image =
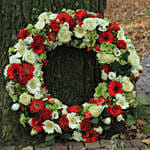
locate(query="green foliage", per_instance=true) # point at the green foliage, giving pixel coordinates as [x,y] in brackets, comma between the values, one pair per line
[130,120]
[49,140]
[94,121]
[142,99]
[146,130]
[66,136]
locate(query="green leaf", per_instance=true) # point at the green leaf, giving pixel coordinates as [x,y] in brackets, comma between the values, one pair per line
[94,121]
[130,120]
[66,136]
[146,130]
[107,127]
[49,137]
[142,99]
[49,143]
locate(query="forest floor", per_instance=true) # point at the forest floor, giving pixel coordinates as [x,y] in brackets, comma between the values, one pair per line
[134,17]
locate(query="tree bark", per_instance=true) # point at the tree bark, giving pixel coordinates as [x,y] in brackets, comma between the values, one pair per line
[72,74]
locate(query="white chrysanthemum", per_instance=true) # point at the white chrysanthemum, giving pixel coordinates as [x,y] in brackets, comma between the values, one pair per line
[64,35]
[89,24]
[53,16]
[34,85]
[77,136]
[30,57]
[55,115]
[134,59]
[28,40]
[112,75]
[120,35]
[20,48]
[37,70]
[127,84]
[64,111]
[25,99]
[38,95]
[15,106]
[99,130]
[123,103]
[120,118]
[73,120]
[40,25]
[14,60]
[107,120]
[102,24]
[104,75]
[79,32]
[10,85]
[44,17]
[117,52]
[49,127]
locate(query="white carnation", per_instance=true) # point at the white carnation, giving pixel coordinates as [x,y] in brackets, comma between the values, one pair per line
[25,99]
[90,24]
[30,57]
[77,136]
[40,25]
[79,32]
[112,75]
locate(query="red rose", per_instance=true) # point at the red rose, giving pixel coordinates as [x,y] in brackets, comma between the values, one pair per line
[14,70]
[45,114]
[54,26]
[106,37]
[85,125]
[28,68]
[121,44]
[23,34]
[106,68]
[63,17]
[87,114]
[113,27]
[74,108]
[114,87]
[36,105]
[91,136]
[24,78]
[115,110]
[80,14]
[52,36]
[37,48]
[38,38]
[63,122]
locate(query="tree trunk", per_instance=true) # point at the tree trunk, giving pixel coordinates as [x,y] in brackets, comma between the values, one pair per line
[71,74]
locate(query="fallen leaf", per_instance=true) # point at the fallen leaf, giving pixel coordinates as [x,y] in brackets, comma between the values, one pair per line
[146,141]
[28,148]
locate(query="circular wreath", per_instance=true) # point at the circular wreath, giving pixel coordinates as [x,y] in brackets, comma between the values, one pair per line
[112,98]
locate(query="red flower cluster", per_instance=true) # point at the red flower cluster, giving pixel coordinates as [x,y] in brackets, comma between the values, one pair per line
[85,125]
[99,101]
[106,37]
[115,110]
[38,126]
[20,73]
[114,87]
[87,114]
[45,114]
[63,122]
[80,14]
[121,44]
[74,108]
[96,47]
[54,26]
[106,68]
[91,136]
[63,17]
[113,27]
[36,105]
[23,34]
[38,43]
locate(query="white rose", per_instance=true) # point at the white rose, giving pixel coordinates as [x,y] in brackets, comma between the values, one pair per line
[53,16]
[44,16]
[112,75]
[40,25]
[133,59]
[127,85]
[121,35]
[135,72]
[105,58]
[123,103]
[79,32]
[104,75]
[14,60]
[102,24]
[99,130]
[25,99]
[30,57]
[15,106]
[89,24]
[64,35]
[107,120]
[28,40]
[77,136]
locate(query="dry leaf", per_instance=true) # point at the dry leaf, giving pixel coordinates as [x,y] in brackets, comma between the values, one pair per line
[28,148]
[122,136]
[140,123]
[146,141]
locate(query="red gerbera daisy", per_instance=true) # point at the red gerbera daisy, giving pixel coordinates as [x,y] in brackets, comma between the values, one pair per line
[74,108]
[45,114]
[63,17]
[63,122]
[28,68]
[24,78]
[38,38]
[36,105]
[14,70]
[106,37]
[121,44]
[115,87]
[23,34]
[113,27]
[72,22]
[52,36]
[54,26]
[38,48]
[80,14]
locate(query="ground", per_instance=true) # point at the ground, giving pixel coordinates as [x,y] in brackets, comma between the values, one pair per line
[134,17]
